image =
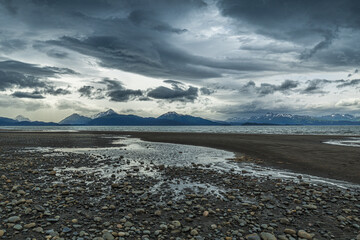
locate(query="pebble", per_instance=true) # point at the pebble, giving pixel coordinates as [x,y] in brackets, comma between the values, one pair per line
[253,236]
[2,233]
[176,224]
[128,224]
[108,236]
[18,227]
[304,234]
[267,236]
[310,206]
[290,231]
[13,219]
[30,225]
[194,232]
[66,230]
[283,237]
[38,229]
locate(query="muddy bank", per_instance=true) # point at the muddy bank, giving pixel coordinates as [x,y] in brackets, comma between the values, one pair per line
[303,154]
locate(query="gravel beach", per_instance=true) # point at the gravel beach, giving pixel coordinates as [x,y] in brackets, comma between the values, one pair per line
[50,194]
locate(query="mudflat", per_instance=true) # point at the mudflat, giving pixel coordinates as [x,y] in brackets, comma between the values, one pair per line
[300,153]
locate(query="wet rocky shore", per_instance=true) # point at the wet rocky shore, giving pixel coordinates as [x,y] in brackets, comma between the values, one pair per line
[54,195]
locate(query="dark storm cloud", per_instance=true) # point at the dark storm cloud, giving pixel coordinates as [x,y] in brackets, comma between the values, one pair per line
[57,54]
[315,86]
[304,22]
[105,8]
[33,69]
[132,43]
[86,91]
[9,80]
[33,95]
[349,83]
[8,4]
[117,53]
[14,74]
[206,91]
[161,60]
[328,38]
[181,40]
[12,45]
[173,82]
[118,93]
[267,88]
[146,18]
[174,94]
[294,19]
[177,92]
[51,90]
[131,36]
[123,95]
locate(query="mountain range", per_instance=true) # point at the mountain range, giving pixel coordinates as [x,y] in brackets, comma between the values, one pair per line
[111,118]
[289,119]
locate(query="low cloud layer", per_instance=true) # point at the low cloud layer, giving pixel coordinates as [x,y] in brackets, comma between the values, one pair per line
[266,88]
[118,93]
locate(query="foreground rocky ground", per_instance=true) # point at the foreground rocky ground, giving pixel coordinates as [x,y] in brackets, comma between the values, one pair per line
[40,199]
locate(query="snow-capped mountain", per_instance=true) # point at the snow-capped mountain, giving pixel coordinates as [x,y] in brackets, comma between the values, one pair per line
[21,118]
[109,118]
[170,115]
[339,117]
[75,119]
[103,114]
[281,118]
[290,119]
[186,119]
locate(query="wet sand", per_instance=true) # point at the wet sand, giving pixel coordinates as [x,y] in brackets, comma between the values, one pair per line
[299,153]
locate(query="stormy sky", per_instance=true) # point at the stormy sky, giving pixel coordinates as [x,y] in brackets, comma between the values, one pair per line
[212,58]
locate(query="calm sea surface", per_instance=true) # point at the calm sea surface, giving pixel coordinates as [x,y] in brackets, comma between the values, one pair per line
[292,130]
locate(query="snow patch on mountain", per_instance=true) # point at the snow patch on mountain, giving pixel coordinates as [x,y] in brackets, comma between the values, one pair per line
[103,114]
[21,118]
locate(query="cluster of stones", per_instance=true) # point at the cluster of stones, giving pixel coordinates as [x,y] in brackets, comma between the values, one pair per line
[38,202]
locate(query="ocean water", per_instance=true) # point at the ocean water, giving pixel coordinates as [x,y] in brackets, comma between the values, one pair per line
[352,131]
[290,130]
